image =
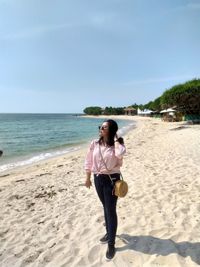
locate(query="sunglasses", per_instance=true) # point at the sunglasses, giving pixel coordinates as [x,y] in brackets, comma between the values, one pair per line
[103,127]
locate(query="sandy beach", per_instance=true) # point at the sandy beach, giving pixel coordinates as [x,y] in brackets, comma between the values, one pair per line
[49,218]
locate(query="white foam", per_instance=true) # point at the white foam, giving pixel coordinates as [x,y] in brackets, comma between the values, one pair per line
[122,131]
[35,159]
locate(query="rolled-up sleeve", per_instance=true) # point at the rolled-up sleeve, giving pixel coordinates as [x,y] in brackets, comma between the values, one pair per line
[89,158]
[120,151]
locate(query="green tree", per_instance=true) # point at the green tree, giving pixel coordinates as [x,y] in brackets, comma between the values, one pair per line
[155,105]
[93,110]
[186,97]
[114,111]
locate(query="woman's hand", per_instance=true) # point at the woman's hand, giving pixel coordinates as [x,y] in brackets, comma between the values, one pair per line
[88,183]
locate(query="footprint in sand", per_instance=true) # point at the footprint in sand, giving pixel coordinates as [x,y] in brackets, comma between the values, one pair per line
[32,256]
[20,250]
[93,253]
[20,180]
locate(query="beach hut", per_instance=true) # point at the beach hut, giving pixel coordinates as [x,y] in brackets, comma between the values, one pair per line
[130,111]
[168,114]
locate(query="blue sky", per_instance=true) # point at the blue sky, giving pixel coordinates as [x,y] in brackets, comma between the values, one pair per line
[65,55]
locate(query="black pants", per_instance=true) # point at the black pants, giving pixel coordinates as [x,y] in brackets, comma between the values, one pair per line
[104,189]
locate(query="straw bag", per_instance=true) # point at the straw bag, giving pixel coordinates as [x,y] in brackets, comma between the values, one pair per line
[120,186]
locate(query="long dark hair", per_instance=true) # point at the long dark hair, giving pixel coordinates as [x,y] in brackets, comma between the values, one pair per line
[112,130]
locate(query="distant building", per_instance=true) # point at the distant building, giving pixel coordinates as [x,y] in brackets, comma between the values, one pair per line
[145,112]
[103,111]
[130,111]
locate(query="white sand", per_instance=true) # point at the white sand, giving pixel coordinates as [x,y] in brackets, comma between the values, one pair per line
[48,218]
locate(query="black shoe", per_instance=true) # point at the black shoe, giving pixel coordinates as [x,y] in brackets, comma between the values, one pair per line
[104,239]
[110,253]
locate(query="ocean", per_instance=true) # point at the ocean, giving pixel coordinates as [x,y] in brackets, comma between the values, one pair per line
[29,138]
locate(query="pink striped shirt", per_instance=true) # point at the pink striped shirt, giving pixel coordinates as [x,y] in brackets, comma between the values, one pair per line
[112,157]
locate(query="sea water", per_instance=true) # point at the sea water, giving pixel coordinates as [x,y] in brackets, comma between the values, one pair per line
[29,138]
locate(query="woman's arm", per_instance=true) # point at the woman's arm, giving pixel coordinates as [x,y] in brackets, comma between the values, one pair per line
[89,158]
[88,165]
[120,148]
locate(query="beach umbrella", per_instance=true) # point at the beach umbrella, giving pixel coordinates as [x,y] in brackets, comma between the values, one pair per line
[171,110]
[163,111]
[167,110]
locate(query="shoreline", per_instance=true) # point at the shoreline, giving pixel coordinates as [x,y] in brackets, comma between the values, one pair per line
[44,208]
[21,162]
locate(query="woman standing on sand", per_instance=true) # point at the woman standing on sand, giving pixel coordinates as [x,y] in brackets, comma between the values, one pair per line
[104,159]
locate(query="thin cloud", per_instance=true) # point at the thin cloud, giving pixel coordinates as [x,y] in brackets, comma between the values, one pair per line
[159,80]
[33,32]
[100,20]
[97,21]
[190,5]
[194,5]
